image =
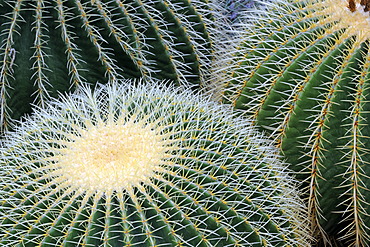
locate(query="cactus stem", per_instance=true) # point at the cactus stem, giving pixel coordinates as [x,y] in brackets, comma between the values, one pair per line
[140,166]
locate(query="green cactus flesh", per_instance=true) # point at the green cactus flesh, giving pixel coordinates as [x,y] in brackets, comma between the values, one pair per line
[144,166]
[48,46]
[301,73]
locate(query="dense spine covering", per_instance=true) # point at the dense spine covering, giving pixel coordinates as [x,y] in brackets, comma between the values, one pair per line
[144,166]
[48,46]
[302,74]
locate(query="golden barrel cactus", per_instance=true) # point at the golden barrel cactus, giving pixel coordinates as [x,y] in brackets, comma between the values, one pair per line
[144,166]
[300,71]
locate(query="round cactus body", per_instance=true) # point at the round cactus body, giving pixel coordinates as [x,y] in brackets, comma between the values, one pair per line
[145,166]
[302,74]
[55,45]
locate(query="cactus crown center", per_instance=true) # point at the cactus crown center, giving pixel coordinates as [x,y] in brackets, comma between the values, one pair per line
[350,18]
[365,3]
[111,157]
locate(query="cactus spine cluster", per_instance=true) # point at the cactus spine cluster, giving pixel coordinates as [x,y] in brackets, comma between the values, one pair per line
[48,46]
[144,166]
[301,73]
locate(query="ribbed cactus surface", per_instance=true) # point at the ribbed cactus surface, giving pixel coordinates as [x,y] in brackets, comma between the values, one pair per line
[302,74]
[55,45]
[145,166]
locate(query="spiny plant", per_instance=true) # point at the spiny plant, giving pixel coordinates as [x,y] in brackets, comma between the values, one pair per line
[48,46]
[301,73]
[144,166]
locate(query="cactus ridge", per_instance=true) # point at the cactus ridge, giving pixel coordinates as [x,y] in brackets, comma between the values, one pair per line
[48,46]
[300,73]
[212,179]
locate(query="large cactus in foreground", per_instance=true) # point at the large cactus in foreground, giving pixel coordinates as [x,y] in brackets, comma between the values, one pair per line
[302,74]
[55,45]
[144,166]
